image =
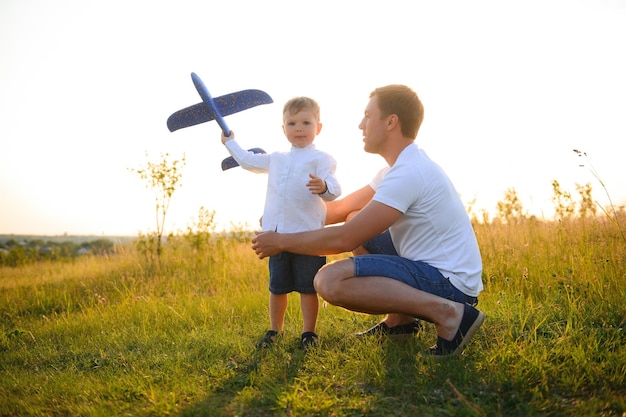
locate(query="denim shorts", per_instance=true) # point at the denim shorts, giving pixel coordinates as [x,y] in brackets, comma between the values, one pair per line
[293,272]
[381,244]
[385,262]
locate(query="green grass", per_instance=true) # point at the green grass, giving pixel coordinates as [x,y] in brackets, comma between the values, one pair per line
[116,336]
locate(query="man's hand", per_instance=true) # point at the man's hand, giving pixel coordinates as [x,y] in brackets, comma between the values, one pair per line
[316,185]
[266,244]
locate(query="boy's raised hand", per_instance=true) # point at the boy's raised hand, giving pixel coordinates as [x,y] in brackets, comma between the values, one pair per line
[227,138]
[316,185]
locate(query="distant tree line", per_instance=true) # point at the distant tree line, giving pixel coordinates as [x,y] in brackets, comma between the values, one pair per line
[18,252]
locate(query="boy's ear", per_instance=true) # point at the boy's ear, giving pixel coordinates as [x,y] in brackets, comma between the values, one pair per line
[319,128]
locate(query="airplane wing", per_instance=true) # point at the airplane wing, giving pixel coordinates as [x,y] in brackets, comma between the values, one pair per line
[226,104]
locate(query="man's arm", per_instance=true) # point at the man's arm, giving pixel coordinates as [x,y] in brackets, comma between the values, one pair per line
[371,221]
[341,210]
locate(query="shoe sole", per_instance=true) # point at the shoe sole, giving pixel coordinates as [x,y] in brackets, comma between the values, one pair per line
[380,334]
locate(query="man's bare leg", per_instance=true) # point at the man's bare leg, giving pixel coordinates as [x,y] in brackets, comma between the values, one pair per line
[391,320]
[379,295]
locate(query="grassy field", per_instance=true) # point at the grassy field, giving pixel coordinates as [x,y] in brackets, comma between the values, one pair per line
[120,336]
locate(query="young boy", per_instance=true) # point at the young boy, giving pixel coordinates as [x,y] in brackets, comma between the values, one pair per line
[299,181]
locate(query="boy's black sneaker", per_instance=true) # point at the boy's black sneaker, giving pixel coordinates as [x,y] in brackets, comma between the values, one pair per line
[268,339]
[308,340]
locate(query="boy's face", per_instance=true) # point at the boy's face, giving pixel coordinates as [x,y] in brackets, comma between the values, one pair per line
[301,128]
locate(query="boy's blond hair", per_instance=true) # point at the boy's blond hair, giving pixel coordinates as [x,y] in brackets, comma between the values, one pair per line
[297,104]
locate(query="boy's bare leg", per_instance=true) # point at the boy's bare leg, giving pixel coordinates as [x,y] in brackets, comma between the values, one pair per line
[278,307]
[309,303]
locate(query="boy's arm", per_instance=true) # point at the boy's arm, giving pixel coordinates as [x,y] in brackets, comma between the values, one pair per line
[327,185]
[250,161]
[327,189]
[332,189]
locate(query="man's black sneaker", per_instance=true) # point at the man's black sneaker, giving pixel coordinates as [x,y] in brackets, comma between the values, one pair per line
[470,323]
[403,330]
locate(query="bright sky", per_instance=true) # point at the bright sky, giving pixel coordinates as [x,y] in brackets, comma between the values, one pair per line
[509,88]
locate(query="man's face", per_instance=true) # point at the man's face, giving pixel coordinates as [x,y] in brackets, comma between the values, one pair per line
[373,127]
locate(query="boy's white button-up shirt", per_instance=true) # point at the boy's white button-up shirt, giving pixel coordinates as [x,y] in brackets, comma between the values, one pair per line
[289,205]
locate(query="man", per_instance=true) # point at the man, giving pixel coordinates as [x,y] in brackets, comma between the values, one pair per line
[437,275]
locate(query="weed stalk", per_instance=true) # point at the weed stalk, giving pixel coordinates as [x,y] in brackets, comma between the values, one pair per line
[614,218]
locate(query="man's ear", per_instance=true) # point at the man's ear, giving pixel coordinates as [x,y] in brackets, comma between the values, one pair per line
[392,121]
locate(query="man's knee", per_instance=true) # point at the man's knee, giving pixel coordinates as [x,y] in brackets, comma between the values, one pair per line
[321,282]
[329,279]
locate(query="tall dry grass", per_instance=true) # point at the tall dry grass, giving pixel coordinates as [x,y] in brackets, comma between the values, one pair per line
[126,336]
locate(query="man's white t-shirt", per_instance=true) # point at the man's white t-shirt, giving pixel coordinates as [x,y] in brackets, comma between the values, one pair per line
[434,227]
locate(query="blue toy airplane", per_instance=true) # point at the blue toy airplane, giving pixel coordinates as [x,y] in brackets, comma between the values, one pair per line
[215,109]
